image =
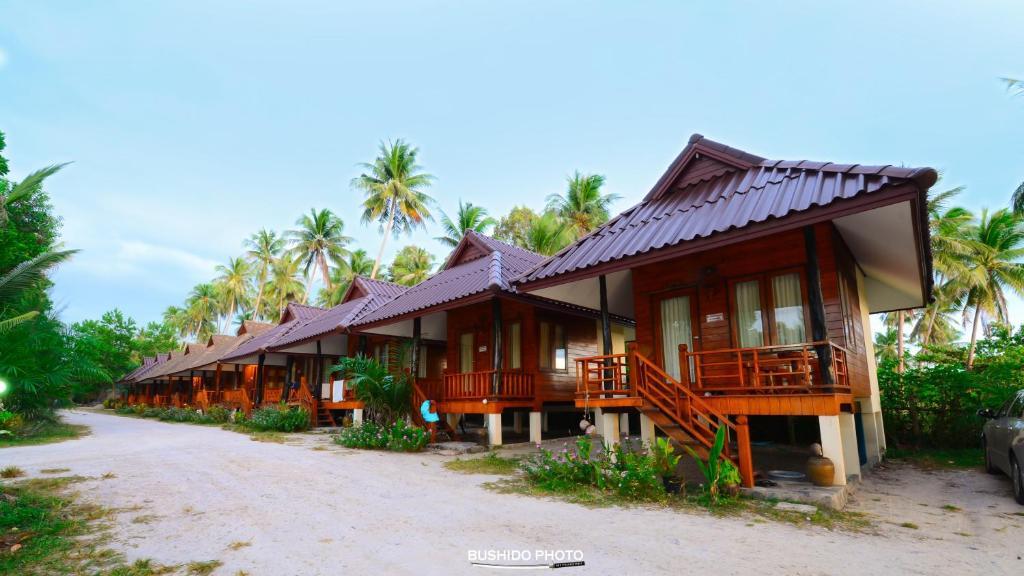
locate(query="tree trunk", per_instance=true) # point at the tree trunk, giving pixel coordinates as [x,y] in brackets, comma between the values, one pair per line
[931,326]
[259,294]
[899,341]
[327,274]
[974,337]
[383,243]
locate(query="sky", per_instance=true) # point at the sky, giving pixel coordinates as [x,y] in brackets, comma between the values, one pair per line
[191,125]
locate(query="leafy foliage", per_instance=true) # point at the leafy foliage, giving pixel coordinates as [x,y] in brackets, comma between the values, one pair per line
[584,206]
[412,265]
[399,436]
[277,419]
[386,397]
[469,217]
[631,475]
[718,472]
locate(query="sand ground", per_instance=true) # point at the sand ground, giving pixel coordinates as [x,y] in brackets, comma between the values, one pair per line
[310,507]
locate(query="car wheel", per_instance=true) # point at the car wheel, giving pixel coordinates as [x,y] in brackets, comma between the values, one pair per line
[1018,481]
[988,460]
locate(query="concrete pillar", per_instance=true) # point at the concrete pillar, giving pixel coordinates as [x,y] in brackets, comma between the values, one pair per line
[873,444]
[832,446]
[517,422]
[610,428]
[646,429]
[493,429]
[535,427]
[357,417]
[544,421]
[624,423]
[453,420]
[848,429]
[598,417]
[880,429]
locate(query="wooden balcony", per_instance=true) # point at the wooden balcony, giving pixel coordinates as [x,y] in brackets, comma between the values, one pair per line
[768,380]
[514,385]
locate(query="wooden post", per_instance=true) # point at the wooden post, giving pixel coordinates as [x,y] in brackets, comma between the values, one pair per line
[496,330]
[317,389]
[633,369]
[361,346]
[743,452]
[816,301]
[258,400]
[684,366]
[606,330]
[289,367]
[417,330]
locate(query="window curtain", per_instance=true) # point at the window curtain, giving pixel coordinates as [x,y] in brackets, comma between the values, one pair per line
[421,369]
[515,347]
[789,309]
[545,345]
[675,330]
[748,314]
[466,353]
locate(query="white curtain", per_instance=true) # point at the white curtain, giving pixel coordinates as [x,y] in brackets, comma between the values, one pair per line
[748,314]
[515,347]
[675,330]
[466,353]
[545,345]
[789,309]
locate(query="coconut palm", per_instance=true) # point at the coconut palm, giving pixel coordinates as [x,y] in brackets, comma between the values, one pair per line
[285,284]
[411,266]
[342,275]
[583,207]
[27,187]
[177,318]
[202,309]
[394,186]
[896,322]
[992,268]
[320,240]
[262,248]
[885,345]
[23,277]
[935,325]
[234,284]
[469,217]
[548,233]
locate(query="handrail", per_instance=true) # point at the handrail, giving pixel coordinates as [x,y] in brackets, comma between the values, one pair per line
[478,385]
[788,369]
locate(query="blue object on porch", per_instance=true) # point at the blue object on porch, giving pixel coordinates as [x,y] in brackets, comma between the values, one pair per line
[428,416]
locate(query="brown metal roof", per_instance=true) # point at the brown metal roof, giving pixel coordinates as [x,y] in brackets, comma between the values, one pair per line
[478,264]
[712,189]
[295,315]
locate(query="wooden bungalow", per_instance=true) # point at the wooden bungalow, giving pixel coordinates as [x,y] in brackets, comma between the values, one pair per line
[751,282]
[168,385]
[476,345]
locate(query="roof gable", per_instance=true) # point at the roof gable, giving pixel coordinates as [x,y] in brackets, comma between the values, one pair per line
[701,159]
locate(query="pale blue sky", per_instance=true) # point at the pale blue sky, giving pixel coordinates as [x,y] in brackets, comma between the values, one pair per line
[193,124]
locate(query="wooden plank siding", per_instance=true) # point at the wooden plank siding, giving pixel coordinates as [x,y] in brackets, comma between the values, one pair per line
[708,276]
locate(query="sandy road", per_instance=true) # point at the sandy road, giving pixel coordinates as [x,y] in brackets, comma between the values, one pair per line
[194,491]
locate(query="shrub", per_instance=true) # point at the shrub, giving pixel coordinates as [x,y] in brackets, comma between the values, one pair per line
[10,423]
[719,473]
[631,475]
[387,398]
[219,414]
[140,409]
[278,419]
[397,437]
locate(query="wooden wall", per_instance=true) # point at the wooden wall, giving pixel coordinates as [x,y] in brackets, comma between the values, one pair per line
[709,273]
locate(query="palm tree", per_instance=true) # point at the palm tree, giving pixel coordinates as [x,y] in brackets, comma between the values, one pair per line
[992,267]
[885,345]
[548,233]
[234,284]
[27,187]
[285,284]
[319,240]
[513,227]
[177,319]
[895,322]
[934,325]
[411,266]
[469,217]
[202,308]
[583,207]
[263,248]
[394,187]
[21,278]
[342,276]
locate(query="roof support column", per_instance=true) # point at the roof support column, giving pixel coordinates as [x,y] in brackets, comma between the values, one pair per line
[819,329]
[317,388]
[289,377]
[259,380]
[606,328]
[417,332]
[496,332]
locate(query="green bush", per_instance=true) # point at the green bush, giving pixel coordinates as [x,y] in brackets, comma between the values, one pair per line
[140,409]
[386,397]
[630,475]
[398,437]
[219,414]
[278,419]
[154,412]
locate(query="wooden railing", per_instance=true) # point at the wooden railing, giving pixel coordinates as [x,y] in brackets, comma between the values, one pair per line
[514,384]
[790,369]
[161,400]
[237,399]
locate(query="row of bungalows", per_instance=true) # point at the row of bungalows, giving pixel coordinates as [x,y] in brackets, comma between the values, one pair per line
[736,295]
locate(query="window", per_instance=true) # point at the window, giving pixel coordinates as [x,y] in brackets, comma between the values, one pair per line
[770,310]
[466,352]
[554,352]
[421,368]
[515,346]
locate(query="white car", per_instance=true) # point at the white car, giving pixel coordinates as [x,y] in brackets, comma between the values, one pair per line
[1002,439]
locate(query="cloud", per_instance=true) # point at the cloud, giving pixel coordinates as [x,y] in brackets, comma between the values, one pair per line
[3,58]
[134,259]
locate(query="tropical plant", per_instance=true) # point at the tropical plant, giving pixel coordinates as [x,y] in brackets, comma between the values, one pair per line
[885,345]
[583,206]
[547,234]
[665,459]
[285,285]
[22,278]
[262,249]
[202,309]
[320,240]
[513,228]
[627,474]
[469,217]
[278,419]
[234,285]
[386,397]
[394,186]
[342,276]
[29,186]
[397,437]
[718,472]
[411,266]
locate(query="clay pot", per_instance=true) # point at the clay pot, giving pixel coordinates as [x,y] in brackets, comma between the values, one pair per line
[821,470]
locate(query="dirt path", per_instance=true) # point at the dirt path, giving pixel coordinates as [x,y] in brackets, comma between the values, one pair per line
[194,491]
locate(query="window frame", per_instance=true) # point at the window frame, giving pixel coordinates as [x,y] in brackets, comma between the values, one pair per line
[506,353]
[768,327]
[551,353]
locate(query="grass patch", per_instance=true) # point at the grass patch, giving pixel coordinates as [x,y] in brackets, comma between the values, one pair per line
[940,459]
[144,519]
[266,436]
[950,508]
[43,432]
[489,464]
[909,525]
[239,545]
[54,470]
[12,472]
[108,476]
[203,568]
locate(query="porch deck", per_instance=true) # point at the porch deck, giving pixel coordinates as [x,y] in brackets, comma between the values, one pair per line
[474,392]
